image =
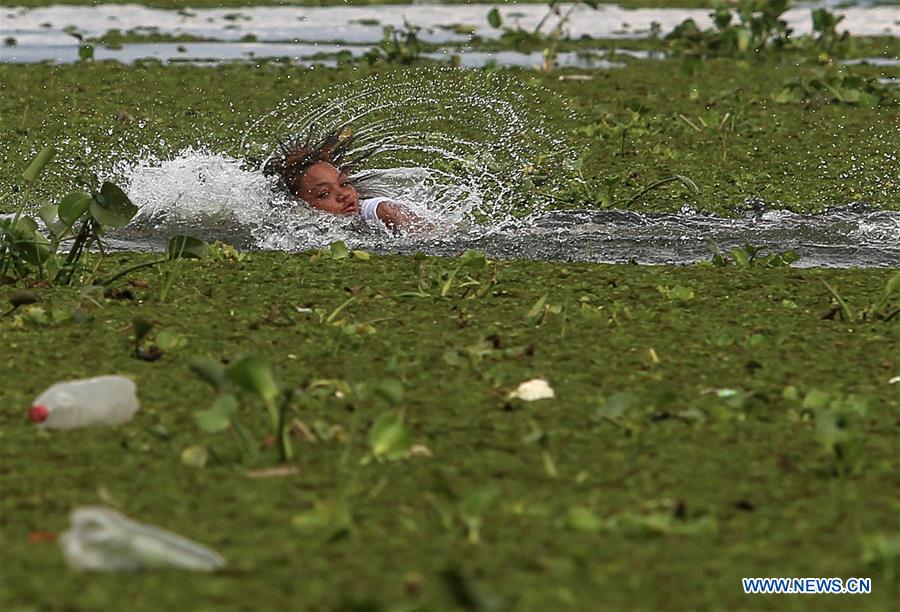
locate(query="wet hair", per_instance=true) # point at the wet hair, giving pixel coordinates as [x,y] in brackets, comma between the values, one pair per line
[297,156]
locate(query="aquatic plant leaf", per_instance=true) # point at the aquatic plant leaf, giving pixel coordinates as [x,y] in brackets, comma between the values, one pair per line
[47,214]
[86,52]
[616,405]
[338,250]
[73,206]
[580,518]
[111,207]
[195,456]
[494,19]
[253,374]
[38,164]
[186,247]
[535,314]
[169,341]
[473,260]
[220,414]
[210,370]
[391,390]
[658,523]
[882,552]
[389,437]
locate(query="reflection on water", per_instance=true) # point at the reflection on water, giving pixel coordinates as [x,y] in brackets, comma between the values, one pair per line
[363,25]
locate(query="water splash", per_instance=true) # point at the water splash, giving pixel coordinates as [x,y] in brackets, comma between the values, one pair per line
[459,148]
[477,137]
[217,198]
[481,189]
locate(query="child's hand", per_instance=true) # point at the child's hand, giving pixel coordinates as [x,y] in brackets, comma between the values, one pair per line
[397,217]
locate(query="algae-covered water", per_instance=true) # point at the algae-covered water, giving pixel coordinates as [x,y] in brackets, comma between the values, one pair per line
[728,416]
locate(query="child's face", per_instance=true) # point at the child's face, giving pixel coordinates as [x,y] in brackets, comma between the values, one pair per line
[325,187]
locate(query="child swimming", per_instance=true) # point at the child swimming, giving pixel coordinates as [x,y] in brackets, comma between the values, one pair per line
[318,174]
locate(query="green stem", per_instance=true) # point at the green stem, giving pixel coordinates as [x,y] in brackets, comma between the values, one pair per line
[650,188]
[131,269]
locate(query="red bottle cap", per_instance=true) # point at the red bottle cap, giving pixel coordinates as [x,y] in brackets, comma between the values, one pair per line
[38,413]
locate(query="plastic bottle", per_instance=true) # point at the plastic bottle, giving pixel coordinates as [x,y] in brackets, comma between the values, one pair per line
[90,402]
[104,540]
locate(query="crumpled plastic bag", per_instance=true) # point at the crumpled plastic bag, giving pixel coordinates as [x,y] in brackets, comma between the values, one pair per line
[101,539]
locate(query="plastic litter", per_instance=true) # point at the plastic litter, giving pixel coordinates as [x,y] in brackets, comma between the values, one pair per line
[101,539]
[533,390]
[89,402]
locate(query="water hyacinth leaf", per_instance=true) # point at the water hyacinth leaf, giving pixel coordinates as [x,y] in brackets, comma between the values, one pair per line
[390,390]
[658,524]
[73,206]
[186,247]
[33,247]
[220,414]
[494,19]
[616,405]
[253,374]
[338,250]
[389,437]
[111,207]
[212,371]
[26,225]
[47,214]
[536,313]
[582,519]
[169,341]
[38,163]
[473,260]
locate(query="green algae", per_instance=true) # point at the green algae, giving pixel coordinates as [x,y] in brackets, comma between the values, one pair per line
[745,486]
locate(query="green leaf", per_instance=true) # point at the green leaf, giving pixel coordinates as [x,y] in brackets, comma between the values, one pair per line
[494,18]
[38,164]
[253,374]
[86,52]
[48,214]
[211,371]
[73,206]
[616,405]
[195,456]
[390,390]
[536,313]
[169,341]
[582,519]
[220,414]
[338,250]
[389,437]
[186,247]
[473,260]
[111,207]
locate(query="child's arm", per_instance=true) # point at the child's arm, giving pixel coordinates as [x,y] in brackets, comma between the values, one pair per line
[396,216]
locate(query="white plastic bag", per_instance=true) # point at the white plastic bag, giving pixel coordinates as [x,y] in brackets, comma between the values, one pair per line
[104,540]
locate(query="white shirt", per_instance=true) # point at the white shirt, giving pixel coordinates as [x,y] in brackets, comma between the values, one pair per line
[368,209]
